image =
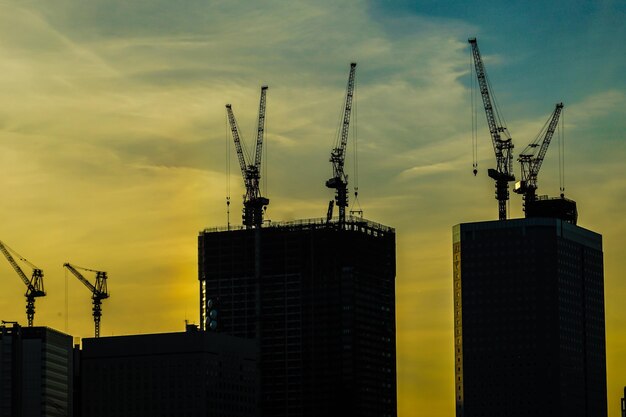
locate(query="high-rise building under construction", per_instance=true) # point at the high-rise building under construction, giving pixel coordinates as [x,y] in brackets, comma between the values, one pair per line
[529,319]
[319,297]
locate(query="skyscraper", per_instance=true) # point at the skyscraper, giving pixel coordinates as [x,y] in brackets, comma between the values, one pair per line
[36,372]
[320,301]
[529,319]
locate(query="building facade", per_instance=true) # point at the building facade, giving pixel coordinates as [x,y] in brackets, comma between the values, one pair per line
[187,374]
[36,372]
[319,299]
[529,319]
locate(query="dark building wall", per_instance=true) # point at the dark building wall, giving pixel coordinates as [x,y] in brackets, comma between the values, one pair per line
[326,302]
[529,319]
[35,372]
[10,373]
[189,374]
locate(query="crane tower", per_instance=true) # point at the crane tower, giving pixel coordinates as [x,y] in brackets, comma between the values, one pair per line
[542,206]
[34,285]
[99,291]
[339,180]
[500,137]
[530,163]
[254,204]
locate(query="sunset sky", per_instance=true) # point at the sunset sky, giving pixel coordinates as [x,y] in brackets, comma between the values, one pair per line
[113,145]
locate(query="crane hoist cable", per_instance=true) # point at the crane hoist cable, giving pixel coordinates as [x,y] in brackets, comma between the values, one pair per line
[254,203]
[356,207]
[474,114]
[500,137]
[34,285]
[227,143]
[561,139]
[99,291]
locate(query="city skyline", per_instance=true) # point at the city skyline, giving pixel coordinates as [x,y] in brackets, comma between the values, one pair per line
[114,135]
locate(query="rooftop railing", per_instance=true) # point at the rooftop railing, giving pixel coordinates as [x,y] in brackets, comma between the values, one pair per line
[351,223]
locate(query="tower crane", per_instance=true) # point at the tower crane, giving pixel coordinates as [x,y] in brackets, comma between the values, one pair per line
[98,291]
[530,163]
[500,137]
[34,285]
[339,181]
[254,204]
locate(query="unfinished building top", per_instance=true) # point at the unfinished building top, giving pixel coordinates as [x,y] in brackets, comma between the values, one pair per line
[352,223]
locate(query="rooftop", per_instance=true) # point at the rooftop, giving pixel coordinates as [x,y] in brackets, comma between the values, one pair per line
[352,223]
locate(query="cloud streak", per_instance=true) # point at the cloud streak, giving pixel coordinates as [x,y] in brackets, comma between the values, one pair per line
[113,150]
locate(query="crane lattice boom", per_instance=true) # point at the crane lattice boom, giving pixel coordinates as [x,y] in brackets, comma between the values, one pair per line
[34,285]
[500,138]
[339,181]
[260,129]
[253,202]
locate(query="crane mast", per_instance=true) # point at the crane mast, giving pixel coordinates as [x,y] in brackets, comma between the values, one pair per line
[501,140]
[253,203]
[339,181]
[34,285]
[99,291]
[530,163]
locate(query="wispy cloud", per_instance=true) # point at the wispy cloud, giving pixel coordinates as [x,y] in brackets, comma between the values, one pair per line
[113,146]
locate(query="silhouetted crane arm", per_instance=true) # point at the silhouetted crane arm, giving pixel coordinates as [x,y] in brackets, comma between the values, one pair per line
[35,283]
[530,163]
[81,277]
[554,120]
[260,129]
[14,264]
[494,122]
[237,139]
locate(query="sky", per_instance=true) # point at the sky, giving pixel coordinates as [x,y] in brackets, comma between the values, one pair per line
[114,147]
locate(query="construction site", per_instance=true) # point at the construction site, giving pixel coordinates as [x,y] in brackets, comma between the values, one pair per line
[298,318]
[311,302]
[317,295]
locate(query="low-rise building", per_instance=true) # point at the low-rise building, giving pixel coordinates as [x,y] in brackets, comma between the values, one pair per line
[36,372]
[192,373]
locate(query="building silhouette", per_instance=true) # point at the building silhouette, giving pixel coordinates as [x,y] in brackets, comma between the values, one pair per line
[190,374]
[319,299]
[529,319]
[36,372]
